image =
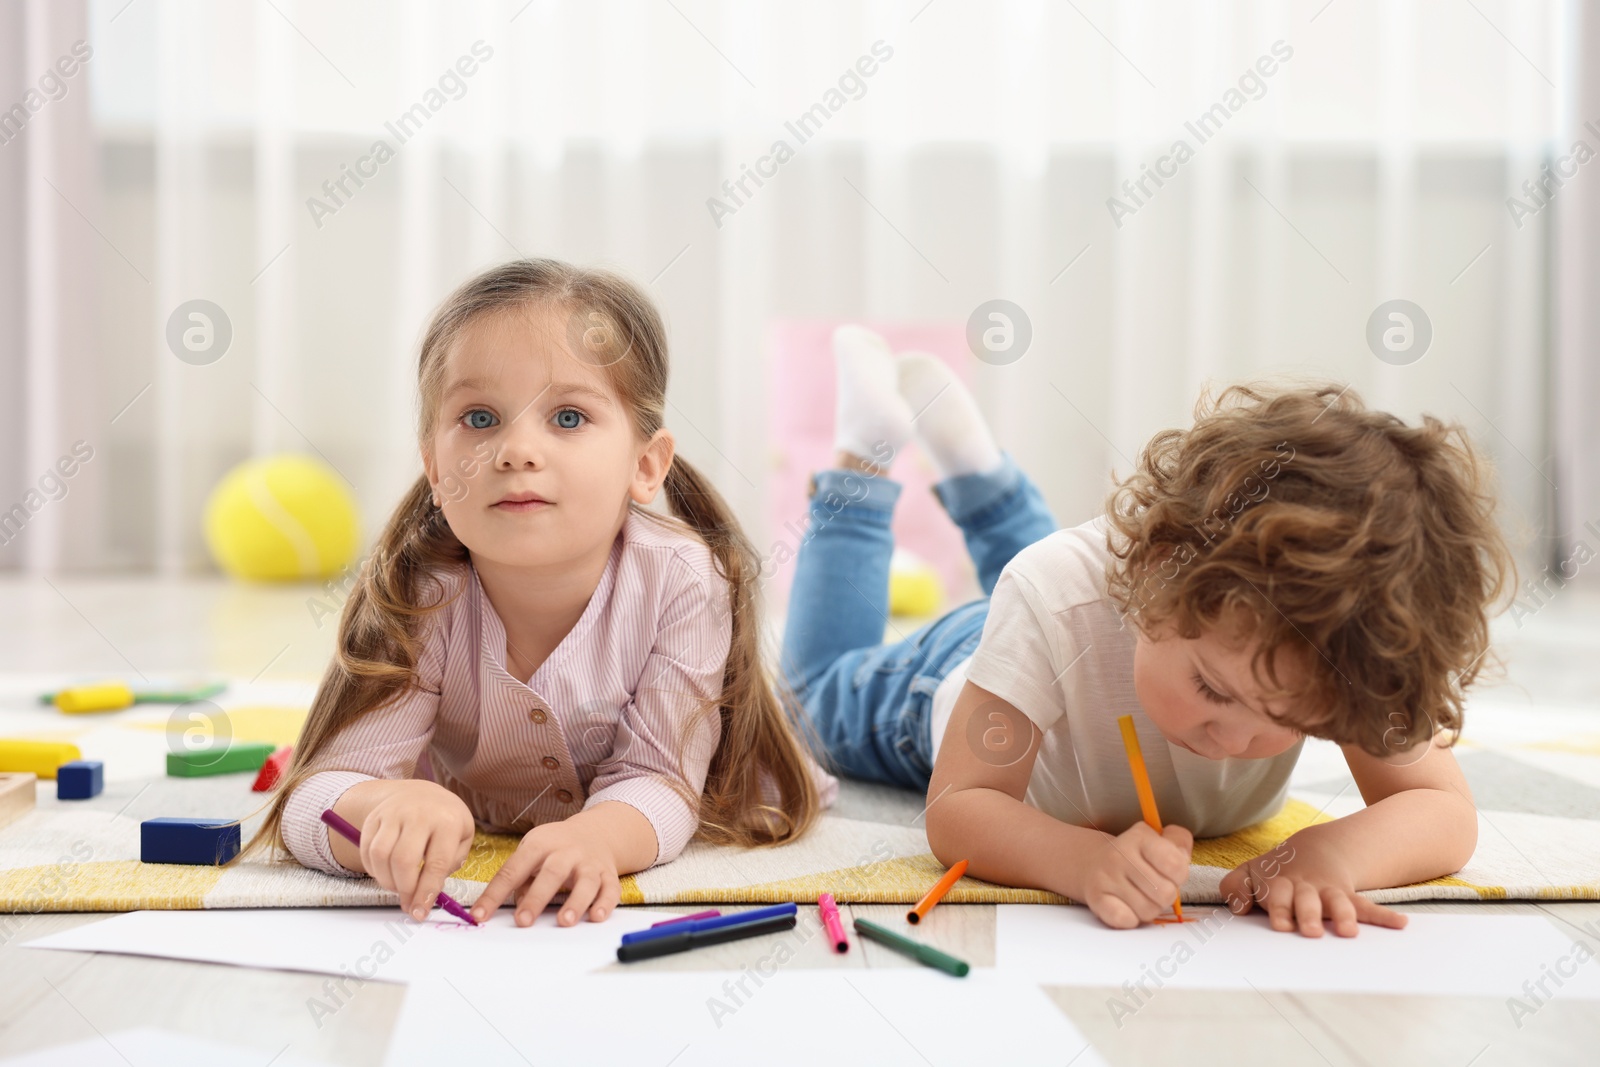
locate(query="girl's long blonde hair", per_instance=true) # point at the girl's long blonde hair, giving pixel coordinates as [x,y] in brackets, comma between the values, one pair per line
[380,629]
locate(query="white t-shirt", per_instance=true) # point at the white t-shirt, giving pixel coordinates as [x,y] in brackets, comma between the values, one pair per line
[1055,647]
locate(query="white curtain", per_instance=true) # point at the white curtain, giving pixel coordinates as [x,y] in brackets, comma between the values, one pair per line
[978,159]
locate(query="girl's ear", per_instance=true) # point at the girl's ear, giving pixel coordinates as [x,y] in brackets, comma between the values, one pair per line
[431,469]
[654,461]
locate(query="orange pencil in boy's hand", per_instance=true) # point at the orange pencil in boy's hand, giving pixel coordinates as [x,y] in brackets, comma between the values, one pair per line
[1141,785]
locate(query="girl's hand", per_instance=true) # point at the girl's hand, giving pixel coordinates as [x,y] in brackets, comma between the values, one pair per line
[551,858]
[1135,876]
[413,838]
[1298,885]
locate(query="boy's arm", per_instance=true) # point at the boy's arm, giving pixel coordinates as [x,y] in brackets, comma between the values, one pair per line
[1419,823]
[976,812]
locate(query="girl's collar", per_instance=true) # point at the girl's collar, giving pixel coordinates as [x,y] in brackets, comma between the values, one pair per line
[493,636]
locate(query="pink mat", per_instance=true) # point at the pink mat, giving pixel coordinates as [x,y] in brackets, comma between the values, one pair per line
[801,435]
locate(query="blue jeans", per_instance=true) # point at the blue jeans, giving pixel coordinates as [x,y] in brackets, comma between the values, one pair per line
[869,702]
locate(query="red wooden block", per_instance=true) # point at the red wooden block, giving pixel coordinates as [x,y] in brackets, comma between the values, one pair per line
[273,769]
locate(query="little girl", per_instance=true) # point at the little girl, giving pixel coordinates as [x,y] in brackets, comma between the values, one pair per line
[529,648]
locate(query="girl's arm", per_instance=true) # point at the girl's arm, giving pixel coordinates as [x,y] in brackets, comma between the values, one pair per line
[378,752]
[976,812]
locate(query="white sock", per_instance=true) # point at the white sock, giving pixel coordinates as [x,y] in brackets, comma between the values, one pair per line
[947,419]
[870,417]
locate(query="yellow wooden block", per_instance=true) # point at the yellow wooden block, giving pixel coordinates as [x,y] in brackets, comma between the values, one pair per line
[39,757]
[105,696]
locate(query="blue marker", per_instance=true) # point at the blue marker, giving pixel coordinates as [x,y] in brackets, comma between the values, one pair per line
[702,925]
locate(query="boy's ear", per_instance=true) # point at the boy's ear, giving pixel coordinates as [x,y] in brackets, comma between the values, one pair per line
[654,461]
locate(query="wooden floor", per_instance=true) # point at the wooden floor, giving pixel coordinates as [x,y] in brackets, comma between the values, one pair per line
[49,998]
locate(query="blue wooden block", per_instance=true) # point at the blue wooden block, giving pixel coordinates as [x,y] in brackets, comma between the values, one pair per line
[80,779]
[207,842]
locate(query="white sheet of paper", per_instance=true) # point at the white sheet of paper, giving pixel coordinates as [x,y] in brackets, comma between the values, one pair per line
[911,1017]
[1470,955]
[150,1046]
[371,943]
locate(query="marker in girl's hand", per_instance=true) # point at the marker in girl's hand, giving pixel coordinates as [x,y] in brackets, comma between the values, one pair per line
[341,825]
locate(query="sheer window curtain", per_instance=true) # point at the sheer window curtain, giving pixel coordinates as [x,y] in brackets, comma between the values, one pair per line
[977,160]
[50,367]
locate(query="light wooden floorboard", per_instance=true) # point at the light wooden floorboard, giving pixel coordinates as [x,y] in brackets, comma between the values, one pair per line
[48,998]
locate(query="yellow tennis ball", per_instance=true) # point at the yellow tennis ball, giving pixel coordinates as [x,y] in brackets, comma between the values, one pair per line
[281,518]
[914,588]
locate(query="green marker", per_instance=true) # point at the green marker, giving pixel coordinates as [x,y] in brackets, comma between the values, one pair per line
[923,953]
[229,759]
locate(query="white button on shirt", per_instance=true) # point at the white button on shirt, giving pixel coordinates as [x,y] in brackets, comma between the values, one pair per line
[614,713]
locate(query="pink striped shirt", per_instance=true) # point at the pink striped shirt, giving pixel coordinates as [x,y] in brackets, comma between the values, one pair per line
[612,714]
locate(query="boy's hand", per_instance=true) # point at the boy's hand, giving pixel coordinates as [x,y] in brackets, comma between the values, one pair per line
[1135,876]
[551,858]
[1298,886]
[413,838]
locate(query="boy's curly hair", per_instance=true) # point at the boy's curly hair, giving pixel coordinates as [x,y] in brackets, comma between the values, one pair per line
[1305,520]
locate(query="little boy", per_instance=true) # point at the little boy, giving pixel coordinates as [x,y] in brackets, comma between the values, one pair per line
[1292,565]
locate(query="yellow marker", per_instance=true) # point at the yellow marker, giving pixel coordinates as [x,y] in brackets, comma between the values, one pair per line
[1141,785]
[105,696]
[36,757]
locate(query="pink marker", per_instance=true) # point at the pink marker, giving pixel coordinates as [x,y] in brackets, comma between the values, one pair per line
[830,919]
[712,914]
[339,823]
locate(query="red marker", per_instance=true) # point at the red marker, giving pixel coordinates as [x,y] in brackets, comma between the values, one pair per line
[339,823]
[830,919]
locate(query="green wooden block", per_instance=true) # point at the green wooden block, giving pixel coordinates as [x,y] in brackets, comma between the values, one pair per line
[239,756]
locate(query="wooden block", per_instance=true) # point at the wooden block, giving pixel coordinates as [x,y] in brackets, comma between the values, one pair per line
[207,842]
[273,769]
[80,779]
[239,756]
[17,796]
[36,757]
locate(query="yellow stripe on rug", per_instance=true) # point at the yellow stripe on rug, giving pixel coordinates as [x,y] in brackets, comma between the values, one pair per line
[1228,852]
[108,885]
[273,724]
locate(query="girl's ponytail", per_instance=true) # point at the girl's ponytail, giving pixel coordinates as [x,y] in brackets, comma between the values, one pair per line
[379,638]
[757,737]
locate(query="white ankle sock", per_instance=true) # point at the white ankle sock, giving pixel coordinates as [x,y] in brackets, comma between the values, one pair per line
[870,417]
[947,419]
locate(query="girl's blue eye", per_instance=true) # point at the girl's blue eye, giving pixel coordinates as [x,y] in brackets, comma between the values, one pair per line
[569,418]
[479,419]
